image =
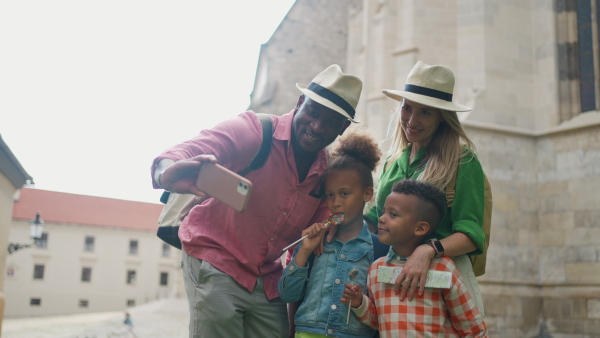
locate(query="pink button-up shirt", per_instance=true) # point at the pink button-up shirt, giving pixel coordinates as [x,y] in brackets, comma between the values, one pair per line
[249,244]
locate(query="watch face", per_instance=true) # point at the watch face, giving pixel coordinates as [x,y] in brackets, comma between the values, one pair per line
[438,246]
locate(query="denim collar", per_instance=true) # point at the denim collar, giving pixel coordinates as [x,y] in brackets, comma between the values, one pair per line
[364,235]
[392,256]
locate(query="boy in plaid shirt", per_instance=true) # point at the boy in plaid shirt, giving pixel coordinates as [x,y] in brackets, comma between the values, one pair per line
[411,213]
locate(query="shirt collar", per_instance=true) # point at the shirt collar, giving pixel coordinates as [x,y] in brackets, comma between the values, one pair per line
[364,234]
[283,132]
[420,153]
[283,129]
[392,256]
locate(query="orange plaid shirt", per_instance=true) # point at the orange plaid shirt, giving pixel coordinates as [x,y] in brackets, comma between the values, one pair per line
[437,313]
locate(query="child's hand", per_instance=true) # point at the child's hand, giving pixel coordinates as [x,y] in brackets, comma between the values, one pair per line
[352,293]
[315,237]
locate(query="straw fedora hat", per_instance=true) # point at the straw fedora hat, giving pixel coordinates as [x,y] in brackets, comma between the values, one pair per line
[429,85]
[335,90]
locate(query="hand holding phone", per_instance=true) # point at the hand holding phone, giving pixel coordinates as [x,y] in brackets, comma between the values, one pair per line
[225,185]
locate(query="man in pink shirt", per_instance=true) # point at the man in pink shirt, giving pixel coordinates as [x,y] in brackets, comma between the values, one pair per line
[231,260]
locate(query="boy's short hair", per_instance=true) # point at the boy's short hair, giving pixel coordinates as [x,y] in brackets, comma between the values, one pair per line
[431,207]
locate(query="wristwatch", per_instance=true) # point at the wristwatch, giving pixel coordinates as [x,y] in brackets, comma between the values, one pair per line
[437,246]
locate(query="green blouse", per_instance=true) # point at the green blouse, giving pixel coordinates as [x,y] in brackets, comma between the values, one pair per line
[466,213]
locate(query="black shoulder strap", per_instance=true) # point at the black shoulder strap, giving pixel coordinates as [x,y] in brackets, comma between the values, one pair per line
[265,147]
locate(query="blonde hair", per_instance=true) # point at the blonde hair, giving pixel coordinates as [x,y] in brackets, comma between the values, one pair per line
[449,144]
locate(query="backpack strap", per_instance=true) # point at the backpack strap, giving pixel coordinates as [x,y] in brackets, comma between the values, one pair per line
[265,147]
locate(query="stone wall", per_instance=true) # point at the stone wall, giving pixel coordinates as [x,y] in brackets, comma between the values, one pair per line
[543,264]
[543,273]
[311,37]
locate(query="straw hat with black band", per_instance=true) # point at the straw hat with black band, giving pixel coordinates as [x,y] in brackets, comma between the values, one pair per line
[429,85]
[335,90]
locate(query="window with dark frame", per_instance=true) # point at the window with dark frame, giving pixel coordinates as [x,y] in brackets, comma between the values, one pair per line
[133,247]
[578,53]
[42,242]
[84,303]
[130,276]
[131,302]
[38,271]
[164,278]
[89,243]
[35,302]
[166,250]
[86,274]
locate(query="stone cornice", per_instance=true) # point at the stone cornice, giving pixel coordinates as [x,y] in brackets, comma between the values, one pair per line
[584,120]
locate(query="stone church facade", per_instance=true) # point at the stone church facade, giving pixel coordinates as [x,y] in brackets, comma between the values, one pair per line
[531,72]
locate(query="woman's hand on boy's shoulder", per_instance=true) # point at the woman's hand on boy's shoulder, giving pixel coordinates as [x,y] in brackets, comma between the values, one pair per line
[414,273]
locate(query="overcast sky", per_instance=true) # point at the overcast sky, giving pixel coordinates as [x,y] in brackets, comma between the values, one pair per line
[92,91]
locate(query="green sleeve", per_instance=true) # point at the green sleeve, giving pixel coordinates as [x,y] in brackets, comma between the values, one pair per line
[384,188]
[373,215]
[468,207]
[394,172]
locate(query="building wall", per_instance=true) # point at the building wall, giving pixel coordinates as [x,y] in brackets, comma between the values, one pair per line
[312,36]
[68,220]
[543,274]
[12,177]
[7,190]
[61,288]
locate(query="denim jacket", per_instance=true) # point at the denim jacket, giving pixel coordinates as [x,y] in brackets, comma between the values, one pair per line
[321,311]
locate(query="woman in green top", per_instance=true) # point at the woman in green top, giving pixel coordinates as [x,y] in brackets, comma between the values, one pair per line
[428,145]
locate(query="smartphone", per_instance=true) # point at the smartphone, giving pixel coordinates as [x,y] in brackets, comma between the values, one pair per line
[223,184]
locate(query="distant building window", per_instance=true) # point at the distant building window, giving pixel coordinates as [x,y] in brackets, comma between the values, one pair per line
[164,278]
[86,274]
[131,302]
[130,276]
[10,272]
[577,55]
[166,250]
[83,303]
[42,242]
[35,302]
[38,271]
[89,243]
[133,247]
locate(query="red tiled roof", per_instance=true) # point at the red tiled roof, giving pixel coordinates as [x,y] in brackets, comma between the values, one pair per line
[60,207]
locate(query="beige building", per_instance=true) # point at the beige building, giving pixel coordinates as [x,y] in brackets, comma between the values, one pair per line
[12,178]
[531,71]
[96,254]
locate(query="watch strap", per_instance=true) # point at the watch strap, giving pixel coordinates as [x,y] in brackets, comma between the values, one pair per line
[434,243]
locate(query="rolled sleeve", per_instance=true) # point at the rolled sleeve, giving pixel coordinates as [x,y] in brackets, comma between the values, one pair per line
[468,205]
[362,309]
[233,142]
[292,284]
[373,215]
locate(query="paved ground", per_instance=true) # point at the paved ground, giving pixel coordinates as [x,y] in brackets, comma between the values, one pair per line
[161,319]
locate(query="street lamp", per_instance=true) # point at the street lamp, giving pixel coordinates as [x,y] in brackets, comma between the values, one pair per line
[36,226]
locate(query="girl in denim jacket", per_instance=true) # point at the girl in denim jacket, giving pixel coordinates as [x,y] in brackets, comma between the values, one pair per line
[319,281]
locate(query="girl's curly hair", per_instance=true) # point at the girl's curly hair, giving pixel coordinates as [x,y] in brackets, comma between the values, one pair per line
[356,150]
